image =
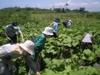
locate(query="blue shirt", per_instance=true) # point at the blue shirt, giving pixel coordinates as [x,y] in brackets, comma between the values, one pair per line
[55,27]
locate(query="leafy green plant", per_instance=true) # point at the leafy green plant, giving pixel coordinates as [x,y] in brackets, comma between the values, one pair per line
[62,55]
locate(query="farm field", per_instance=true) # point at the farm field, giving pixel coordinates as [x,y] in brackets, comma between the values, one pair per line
[62,55]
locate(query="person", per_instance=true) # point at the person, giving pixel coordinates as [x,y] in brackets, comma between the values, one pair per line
[87,41]
[11,51]
[67,23]
[39,44]
[55,26]
[12,31]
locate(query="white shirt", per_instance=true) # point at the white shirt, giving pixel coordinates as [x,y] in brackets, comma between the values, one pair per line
[6,49]
[87,38]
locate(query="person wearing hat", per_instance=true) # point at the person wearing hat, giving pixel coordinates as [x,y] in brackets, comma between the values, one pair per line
[12,31]
[55,26]
[67,23]
[14,51]
[87,41]
[39,44]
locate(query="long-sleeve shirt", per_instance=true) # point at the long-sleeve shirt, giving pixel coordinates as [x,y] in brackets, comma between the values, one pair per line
[55,27]
[39,43]
[7,49]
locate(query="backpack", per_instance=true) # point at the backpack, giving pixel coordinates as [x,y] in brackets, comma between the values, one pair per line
[10,31]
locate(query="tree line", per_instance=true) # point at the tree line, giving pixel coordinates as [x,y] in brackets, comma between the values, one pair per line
[62,10]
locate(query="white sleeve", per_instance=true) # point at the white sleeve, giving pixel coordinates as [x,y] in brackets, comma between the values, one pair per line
[6,26]
[4,50]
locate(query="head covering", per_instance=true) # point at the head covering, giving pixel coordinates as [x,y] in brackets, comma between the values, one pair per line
[28,46]
[14,23]
[56,19]
[70,20]
[87,38]
[48,31]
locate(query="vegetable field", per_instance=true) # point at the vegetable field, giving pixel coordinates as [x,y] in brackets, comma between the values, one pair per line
[62,55]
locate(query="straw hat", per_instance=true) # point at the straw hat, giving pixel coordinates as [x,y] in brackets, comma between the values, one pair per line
[28,46]
[48,31]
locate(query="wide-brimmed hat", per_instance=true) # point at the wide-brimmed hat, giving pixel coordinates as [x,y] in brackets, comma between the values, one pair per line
[48,31]
[28,46]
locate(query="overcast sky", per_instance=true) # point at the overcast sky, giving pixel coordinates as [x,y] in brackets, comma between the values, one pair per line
[91,5]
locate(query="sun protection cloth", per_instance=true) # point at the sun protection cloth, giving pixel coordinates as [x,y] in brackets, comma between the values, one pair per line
[48,31]
[87,38]
[28,46]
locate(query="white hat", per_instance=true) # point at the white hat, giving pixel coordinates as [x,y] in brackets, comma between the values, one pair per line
[28,46]
[48,31]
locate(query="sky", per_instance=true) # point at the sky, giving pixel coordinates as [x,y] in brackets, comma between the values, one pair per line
[90,5]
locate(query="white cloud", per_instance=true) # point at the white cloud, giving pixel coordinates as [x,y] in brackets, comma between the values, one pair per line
[72,5]
[89,6]
[58,5]
[95,3]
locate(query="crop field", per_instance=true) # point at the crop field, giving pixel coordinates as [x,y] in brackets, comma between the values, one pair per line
[62,55]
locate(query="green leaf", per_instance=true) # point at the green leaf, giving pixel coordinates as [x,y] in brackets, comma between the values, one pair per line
[87,52]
